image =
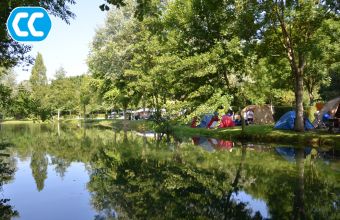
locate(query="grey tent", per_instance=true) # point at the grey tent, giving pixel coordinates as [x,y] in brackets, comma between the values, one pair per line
[330,107]
[263,114]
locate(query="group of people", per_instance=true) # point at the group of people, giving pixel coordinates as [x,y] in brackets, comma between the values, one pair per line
[230,119]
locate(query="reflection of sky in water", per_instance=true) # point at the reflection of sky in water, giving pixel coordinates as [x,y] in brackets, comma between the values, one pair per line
[62,198]
[254,204]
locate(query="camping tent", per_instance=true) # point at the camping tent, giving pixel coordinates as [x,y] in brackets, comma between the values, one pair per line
[263,114]
[226,121]
[286,122]
[205,121]
[331,107]
[289,154]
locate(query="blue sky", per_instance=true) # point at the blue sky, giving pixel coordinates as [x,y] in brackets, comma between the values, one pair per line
[68,45]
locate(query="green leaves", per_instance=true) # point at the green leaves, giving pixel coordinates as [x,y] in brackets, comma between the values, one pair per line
[12,52]
[188,52]
[38,75]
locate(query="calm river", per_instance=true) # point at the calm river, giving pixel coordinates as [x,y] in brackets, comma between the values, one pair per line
[51,173]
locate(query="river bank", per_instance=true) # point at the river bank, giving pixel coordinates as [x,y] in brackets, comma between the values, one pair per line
[252,133]
[265,134]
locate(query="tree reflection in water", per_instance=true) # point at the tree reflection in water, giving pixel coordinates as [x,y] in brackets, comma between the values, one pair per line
[136,177]
[6,174]
[39,163]
[154,188]
[298,208]
[200,185]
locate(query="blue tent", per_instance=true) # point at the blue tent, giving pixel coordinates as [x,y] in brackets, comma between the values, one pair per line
[289,154]
[286,122]
[205,144]
[205,121]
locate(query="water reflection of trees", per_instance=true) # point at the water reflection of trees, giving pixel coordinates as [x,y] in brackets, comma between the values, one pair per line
[139,177]
[188,183]
[39,164]
[6,174]
[154,190]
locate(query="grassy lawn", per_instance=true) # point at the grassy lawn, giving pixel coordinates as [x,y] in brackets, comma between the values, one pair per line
[15,122]
[264,133]
[255,133]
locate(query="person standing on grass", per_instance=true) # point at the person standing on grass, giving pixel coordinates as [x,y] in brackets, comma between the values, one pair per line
[250,117]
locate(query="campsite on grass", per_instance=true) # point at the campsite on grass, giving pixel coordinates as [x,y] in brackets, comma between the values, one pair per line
[169,109]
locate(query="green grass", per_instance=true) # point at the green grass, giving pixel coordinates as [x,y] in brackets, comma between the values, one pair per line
[14,122]
[252,133]
[264,133]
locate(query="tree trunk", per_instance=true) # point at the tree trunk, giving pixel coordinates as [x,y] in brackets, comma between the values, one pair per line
[243,123]
[124,114]
[309,87]
[58,114]
[84,112]
[157,113]
[58,128]
[296,68]
[299,120]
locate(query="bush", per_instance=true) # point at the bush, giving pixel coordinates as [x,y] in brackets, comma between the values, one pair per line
[164,126]
[101,116]
[281,110]
[310,111]
[218,102]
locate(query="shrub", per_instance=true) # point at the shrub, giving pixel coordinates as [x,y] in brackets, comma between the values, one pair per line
[281,110]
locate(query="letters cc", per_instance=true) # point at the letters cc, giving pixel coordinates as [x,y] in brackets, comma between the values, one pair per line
[27,24]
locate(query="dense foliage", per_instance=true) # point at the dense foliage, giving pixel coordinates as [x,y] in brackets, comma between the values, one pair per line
[188,55]
[39,99]
[193,57]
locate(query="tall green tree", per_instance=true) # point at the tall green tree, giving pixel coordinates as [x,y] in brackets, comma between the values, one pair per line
[60,73]
[287,29]
[110,56]
[5,97]
[86,94]
[22,106]
[218,41]
[38,73]
[39,87]
[63,94]
[7,85]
